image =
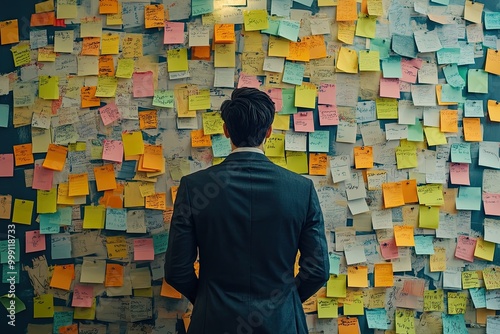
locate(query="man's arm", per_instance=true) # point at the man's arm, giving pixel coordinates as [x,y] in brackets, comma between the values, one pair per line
[182,246]
[314,265]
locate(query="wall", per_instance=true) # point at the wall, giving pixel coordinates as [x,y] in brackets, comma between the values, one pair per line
[353,122]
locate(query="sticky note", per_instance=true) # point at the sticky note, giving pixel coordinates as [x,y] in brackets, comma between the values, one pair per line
[305,95]
[108,6]
[456,302]
[387,108]
[78,184]
[428,217]
[9,32]
[433,300]
[289,29]
[163,98]
[62,276]
[6,302]
[224,33]
[114,275]
[346,30]
[168,291]
[363,157]
[434,136]
[293,73]
[393,194]
[484,249]
[357,276]
[154,16]
[93,217]
[327,308]
[448,120]
[347,60]
[303,122]
[353,304]
[383,275]
[255,19]
[132,143]
[347,10]
[125,68]
[23,210]
[472,129]
[43,306]
[88,97]
[143,249]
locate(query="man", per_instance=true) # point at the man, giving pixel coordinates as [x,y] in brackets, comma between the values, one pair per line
[246,218]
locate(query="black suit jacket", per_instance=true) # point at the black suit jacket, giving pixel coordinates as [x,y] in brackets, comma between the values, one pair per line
[245,219]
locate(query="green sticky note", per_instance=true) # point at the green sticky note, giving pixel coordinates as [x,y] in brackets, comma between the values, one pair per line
[416,131]
[12,304]
[382,46]
[4,115]
[319,141]
[391,67]
[477,81]
[163,98]
[288,98]
[273,27]
[160,242]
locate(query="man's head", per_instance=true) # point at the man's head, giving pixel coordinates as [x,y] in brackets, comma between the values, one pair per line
[248,117]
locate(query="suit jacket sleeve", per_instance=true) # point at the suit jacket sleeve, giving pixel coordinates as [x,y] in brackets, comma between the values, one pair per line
[313,262]
[182,246]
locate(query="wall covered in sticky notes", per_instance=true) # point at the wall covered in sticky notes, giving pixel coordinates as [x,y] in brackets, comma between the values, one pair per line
[390,107]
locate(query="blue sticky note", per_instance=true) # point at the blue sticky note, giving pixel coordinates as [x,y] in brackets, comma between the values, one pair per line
[424,245]
[469,198]
[160,242]
[451,94]
[7,272]
[4,115]
[62,319]
[492,20]
[474,108]
[391,67]
[199,7]
[452,76]
[382,45]
[448,56]
[416,131]
[65,215]
[478,296]
[454,323]
[47,223]
[60,246]
[293,73]
[319,141]
[154,220]
[334,260]
[366,111]
[460,153]
[4,251]
[221,146]
[116,219]
[127,170]
[289,29]
[288,98]
[377,318]
[404,45]
[442,2]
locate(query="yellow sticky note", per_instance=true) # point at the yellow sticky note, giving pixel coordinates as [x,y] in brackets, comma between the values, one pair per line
[94,216]
[355,306]
[384,275]
[484,249]
[21,54]
[473,11]
[347,61]
[438,259]
[125,68]
[23,210]
[212,123]
[406,157]
[43,7]
[115,19]
[491,277]
[278,47]
[430,194]
[403,235]
[156,201]
[328,308]
[387,108]
[366,26]
[305,95]
[132,195]
[470,279]
[110,44]
[43,306]
[346,31]
[132,46]
[177,60]
[457,302]
[369,60]
[46,54]
[405,321]
[336,286]
[200,101]
[132,143]
[274,146]
[66,9]
[428,217]
[224,55]
[46,201]
[85,313]
[297,162]
[281,122]
[433,301]
[106,87]
[357,276]
[255,19]
[434,136]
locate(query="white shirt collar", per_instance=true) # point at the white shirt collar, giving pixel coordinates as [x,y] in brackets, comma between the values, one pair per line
[247,149]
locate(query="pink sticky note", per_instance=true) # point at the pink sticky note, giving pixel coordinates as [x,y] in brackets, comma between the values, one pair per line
[83,295]
[459,173]
[491,204]
[42,178]
[174,33]
[277,97]
[112,150]
[303,122]
[143,84]
[417,62]
[144,249]
[109,113]
[389,87]
[35,242]
[404,86]
[328,114]
[388,249]
[248,81]
[409,72]
[327,94]
[6,165]
[465,248]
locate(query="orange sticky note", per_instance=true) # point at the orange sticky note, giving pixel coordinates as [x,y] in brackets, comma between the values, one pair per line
[494,110]
[168,291]
[114,275]
[78,184]
[154,16]
[9,32]
[200,52]
[357,276]
[88,98]
[492,62]
[153,157]
[23,154]
[62,276]
[317,46]
[105,177]
[363,157]
[403,234]
[43,19]
[448,120]
[56,157]
[157,201]
[318,163]
[199,139]
[348,325]
[393,194]
[69,329]
[472,129]
[410,191]
[148,119]
[91,46]
[347,10]
[108,6]
[299,51]
[384,275]
[224,33]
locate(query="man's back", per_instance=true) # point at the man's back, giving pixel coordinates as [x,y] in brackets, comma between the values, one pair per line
[248,218]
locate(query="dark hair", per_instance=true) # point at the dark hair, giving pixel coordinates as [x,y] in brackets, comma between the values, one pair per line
[248,116]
